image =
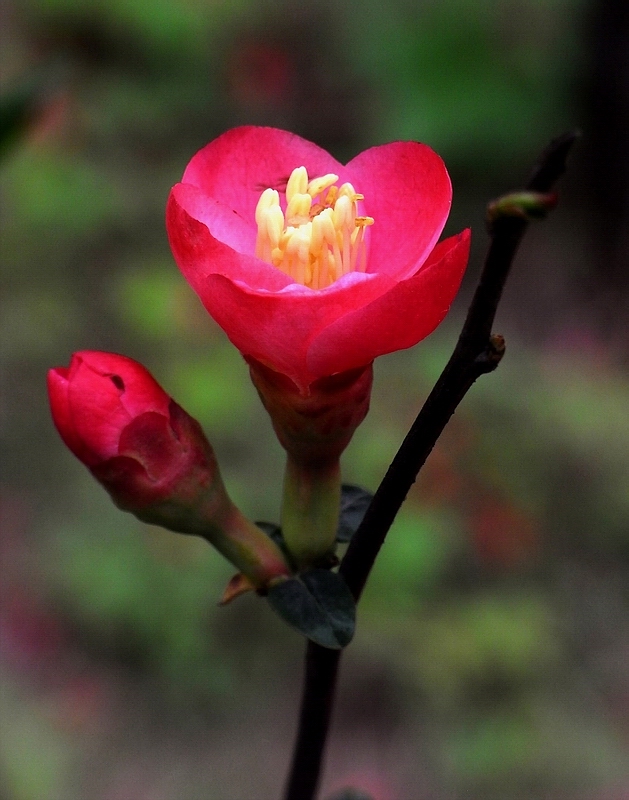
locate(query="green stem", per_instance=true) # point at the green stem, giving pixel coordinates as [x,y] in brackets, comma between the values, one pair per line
[310,509]
[246,546]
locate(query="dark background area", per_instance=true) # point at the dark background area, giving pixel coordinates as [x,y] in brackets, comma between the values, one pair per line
[492,655]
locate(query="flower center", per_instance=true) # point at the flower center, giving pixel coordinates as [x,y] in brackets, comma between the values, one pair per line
[320,237]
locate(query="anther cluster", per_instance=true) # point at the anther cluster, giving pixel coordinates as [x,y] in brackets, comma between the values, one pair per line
[320,237]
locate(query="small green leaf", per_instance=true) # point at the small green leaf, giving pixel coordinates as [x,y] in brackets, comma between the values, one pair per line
[318,604]
[354,503]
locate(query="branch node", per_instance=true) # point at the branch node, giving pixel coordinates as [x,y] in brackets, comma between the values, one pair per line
[524,205]
[491,356]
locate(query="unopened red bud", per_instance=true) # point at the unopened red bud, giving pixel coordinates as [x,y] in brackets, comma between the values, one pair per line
[152,457]
[143,448]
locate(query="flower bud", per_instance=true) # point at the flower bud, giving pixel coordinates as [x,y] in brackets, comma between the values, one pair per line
[153,458]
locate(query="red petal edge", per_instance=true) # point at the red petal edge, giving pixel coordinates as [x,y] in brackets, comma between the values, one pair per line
[399,318]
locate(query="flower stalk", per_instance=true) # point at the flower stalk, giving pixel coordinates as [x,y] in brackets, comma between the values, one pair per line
[314,427]
[310,509]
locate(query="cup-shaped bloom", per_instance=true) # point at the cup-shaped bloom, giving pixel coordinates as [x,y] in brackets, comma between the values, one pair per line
[314,268]
[152,457]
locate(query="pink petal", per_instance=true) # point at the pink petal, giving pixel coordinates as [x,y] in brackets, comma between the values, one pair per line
[57,380]
[226,224]
[141,391]
[397,319]
[278,328]
[408,193]
[199,254]
[97,413]
[238,166]
[104,392]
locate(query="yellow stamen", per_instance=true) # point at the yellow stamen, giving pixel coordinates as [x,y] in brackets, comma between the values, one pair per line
[298,209]
[318,185]
[315,243]
[297,183]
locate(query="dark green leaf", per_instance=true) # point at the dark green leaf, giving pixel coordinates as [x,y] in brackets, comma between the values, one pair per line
[354,503]
[318,604]
[274,532]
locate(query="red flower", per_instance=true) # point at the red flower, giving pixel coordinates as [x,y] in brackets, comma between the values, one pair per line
[153,458]
[346,270]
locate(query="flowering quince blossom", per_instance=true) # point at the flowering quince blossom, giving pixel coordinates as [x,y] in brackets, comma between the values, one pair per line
[152,457]
[312,267]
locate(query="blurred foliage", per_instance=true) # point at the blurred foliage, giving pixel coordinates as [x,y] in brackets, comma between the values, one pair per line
[491,640]
[472,79]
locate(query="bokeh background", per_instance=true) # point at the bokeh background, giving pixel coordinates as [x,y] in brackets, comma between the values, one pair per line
[491,660]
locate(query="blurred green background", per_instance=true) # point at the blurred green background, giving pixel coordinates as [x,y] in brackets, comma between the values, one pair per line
[492,655]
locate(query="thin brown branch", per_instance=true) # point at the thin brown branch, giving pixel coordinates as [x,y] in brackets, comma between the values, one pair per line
[477,352]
